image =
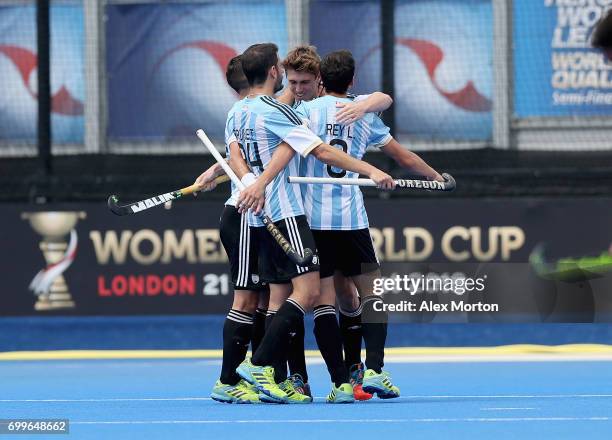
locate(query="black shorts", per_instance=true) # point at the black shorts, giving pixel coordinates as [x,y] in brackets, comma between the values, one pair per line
[274,265]
[237,239]
[350,252]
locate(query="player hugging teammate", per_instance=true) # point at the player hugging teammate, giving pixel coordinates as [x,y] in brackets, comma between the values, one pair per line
[263,135]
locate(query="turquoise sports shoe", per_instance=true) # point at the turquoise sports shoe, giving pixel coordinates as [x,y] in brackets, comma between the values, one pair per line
[341,394]
[379,384]
[239,393]
[263,379]
[293,394]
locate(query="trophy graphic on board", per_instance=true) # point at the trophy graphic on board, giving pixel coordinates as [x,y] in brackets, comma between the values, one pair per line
[49,284]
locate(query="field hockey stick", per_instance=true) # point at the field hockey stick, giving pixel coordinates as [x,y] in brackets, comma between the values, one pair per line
[294,256]
[568,269]
[432,185]
[152,202]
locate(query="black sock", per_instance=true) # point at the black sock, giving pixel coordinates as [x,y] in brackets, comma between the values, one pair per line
[350,329]
[374,327]
[273,347]
[295,355]
[280,365]
[237,331]
[259,328]
[329,341]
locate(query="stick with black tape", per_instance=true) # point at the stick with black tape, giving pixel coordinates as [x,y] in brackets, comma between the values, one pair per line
[433,185]
[294,256]
[152,202]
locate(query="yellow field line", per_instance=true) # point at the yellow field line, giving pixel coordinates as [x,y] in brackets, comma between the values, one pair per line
[397,351]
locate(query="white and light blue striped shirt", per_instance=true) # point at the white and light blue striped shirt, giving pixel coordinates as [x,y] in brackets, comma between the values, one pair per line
[337,207]
[260,124]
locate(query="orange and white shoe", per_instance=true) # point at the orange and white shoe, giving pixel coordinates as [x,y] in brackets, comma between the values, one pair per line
[356,376]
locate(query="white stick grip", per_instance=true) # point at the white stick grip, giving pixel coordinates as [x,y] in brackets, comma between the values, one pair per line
[332,180]
[211,148]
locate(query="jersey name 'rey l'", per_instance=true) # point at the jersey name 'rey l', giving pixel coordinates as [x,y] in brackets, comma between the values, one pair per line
[337,207]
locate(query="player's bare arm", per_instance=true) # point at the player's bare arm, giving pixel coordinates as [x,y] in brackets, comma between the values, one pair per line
[237,162]
[253,197]
[409,160]
[350,112]
[206,180]
[334,157]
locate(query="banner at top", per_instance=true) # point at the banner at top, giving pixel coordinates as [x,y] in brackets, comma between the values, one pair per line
[19,70]
[557,73]
[166,64]
[443,61]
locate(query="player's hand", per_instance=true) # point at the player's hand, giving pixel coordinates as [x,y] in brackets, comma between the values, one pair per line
[252,197]
[349,112]
[437,177]
[382,179]
[205,182]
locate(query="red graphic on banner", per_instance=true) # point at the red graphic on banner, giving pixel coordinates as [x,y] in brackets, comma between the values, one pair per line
[468,98]
[221,53]
[26,61]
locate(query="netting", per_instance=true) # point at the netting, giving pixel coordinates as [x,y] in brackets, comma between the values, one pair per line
[18,73]
[443,61]
[153,72]
[165,64]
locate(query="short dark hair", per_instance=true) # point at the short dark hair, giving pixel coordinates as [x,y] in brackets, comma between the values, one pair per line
[257,61]
[602,36]
[235,76]
[337,71]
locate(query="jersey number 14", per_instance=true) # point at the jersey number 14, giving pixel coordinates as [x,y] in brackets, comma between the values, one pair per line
[251,155]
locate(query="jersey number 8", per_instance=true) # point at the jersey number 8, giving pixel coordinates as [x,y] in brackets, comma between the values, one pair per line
[330,169]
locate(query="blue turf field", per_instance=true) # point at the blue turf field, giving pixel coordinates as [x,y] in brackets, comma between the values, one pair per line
[163,399]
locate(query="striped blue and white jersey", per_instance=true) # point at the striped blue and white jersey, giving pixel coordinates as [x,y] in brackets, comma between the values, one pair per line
[337,207]
[229,138]
[260,124]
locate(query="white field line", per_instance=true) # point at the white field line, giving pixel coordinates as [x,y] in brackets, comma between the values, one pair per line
[302,421]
